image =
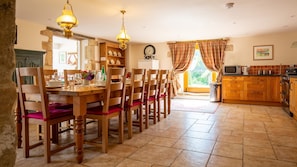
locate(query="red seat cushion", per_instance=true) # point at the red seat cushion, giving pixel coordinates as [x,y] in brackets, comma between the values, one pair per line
[54,113]
[135,103]
[162,96]
[151,98]
[60,106]
[99,110]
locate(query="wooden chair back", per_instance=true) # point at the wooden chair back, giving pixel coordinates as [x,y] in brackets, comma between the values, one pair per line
[137,85]
[33,95]
[48,74]
[163,83]
[115,91]
[152,86]
[67,73]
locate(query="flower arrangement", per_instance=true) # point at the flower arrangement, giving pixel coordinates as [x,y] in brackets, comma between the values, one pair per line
[87,75]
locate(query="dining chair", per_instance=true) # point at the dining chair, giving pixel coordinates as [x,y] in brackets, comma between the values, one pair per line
[68,72]
[150,97]
[163,92]
[49,73]
[113,106]
[135,101]
[35,108]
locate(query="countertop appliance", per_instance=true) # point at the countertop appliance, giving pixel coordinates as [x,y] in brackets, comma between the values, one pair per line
[285,92]
[245,70]
[232,70]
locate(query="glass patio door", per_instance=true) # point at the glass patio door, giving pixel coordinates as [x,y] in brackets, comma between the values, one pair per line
[198,77]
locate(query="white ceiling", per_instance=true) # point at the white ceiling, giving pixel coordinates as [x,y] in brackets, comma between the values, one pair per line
[152,21]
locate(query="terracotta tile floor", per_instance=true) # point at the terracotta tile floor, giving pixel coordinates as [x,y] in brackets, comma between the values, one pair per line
[233,136]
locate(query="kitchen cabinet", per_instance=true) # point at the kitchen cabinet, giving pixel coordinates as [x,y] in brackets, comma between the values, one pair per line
[232,87]
[293,94]
[251,89]
[273,89]
[111,55]
[254,88]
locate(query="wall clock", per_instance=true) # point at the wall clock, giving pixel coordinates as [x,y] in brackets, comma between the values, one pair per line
[149,52]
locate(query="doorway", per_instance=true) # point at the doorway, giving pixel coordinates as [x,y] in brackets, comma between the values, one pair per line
[197,78]
[66,53]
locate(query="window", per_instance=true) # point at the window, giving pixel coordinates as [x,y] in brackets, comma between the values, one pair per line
[198,77]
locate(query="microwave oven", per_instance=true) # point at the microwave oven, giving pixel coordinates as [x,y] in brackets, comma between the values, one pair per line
[232,70]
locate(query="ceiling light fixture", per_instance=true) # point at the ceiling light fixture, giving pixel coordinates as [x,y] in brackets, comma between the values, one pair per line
[123,38]
[229,5]
[67,20]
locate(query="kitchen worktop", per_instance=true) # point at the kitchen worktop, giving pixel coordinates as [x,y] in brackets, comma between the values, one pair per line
[276,75]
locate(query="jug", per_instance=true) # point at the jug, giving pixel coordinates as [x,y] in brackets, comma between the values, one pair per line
[245,70]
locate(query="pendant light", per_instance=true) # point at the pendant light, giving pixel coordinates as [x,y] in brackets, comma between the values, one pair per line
[123,38]
[67,20]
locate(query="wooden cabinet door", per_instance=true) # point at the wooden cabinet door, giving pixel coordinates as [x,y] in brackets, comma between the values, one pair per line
[255,88]
[232,87]
[273,89]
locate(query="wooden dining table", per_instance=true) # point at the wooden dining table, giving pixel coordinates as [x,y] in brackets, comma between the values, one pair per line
[79,96]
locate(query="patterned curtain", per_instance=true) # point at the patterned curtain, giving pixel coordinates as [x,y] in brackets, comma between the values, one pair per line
[212,53]
[182,56]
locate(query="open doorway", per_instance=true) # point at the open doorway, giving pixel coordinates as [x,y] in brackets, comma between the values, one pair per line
[66,53]
[197,77]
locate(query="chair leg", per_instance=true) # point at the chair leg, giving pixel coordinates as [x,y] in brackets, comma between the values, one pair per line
[47,142]
[99,123]
[39,132]
[140,119]
[165,107]
[155,112]
[25,143]
[147,112]
[55,133]
[129,123]
[159,109]
[104,135]
[121,127]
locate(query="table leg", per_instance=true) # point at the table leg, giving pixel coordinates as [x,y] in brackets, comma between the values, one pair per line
[79,111]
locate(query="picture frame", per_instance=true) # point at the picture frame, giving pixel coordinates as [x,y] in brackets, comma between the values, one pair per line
[72,58]
[62,57]
[263,52]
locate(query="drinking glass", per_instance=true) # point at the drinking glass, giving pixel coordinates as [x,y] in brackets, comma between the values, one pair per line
[78,78]
[71,81]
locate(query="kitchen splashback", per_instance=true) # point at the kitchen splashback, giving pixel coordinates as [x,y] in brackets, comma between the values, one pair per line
[253,70]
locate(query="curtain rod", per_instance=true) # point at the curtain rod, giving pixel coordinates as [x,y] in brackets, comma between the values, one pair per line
[227,39]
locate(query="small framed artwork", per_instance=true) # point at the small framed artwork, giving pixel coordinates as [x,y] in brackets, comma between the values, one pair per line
[72,58]
[263,52]
[62,57]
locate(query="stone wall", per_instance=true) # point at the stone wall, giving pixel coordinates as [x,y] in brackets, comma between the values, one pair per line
[7,86]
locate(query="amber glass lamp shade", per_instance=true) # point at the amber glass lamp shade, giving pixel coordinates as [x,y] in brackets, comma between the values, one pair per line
[67,20]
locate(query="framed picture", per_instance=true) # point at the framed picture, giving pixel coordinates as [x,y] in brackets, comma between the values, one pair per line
[72,58]
[62,57]
[263,52]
